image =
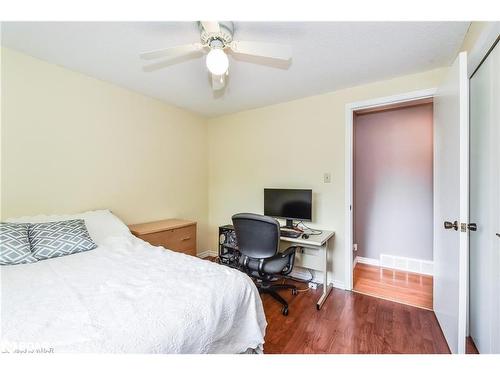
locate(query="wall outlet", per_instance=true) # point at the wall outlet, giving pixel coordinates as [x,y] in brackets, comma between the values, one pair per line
[312,285]
[327,177]
[355,247]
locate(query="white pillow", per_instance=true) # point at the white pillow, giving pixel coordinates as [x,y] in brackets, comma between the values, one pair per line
[100,224]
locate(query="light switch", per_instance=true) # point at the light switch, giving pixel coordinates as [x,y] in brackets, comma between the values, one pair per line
[327,178]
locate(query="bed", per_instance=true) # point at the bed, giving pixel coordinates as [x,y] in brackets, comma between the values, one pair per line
[127,296]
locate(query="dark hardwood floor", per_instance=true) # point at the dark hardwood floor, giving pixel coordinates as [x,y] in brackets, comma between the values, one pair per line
[350,322]
[471,347]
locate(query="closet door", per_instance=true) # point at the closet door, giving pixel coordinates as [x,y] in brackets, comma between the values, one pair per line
[484,305]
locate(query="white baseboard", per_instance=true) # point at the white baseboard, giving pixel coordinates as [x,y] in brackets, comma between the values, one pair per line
[207,253]
[370,261]
[420,266]
[338,284]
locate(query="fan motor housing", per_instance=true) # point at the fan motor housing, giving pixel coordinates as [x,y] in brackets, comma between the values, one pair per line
[220,39]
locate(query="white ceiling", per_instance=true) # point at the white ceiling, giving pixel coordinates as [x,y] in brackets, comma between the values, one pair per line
[326,56]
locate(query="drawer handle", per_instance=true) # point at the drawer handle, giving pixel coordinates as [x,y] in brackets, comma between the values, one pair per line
[186,238]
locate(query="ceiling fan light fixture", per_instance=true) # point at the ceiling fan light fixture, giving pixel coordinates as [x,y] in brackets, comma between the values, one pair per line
[217,61]
[216,38]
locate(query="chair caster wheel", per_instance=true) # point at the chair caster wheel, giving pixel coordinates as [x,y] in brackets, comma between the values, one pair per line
[294,292]
[284,311]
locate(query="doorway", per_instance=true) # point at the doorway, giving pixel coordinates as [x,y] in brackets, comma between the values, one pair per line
[393,202]
[451,196]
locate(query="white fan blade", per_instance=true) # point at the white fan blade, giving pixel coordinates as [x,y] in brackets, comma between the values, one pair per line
[172,52]
[218,82]
[211,27]
[268,50]
[156,66]
[168,62]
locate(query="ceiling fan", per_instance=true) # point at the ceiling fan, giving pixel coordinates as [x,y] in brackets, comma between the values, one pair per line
[216,39]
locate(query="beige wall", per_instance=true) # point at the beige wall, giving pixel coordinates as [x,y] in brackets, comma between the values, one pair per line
[291,145]
[72,143]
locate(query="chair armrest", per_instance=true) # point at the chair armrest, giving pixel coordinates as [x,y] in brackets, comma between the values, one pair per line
[291,250]
[290,253]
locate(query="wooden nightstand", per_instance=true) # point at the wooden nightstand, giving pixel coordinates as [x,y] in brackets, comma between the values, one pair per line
[174,234]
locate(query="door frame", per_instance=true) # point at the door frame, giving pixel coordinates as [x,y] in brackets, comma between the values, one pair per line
[350,108]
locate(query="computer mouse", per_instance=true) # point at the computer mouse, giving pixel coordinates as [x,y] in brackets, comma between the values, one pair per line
[305,236]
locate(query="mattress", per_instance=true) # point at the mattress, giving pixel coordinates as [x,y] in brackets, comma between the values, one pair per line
[127,296]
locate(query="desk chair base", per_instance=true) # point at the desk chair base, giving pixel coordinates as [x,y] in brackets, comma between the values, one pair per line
[271,290]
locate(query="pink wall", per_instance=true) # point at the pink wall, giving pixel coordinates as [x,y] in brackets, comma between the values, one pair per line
[393,167]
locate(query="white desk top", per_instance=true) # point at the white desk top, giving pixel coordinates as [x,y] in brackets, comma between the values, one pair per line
[313,240]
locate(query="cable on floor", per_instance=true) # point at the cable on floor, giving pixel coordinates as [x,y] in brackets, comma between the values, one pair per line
[300,281]
[298,290]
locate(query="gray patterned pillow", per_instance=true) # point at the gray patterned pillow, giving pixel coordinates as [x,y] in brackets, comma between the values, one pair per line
[14,244]
[58,238]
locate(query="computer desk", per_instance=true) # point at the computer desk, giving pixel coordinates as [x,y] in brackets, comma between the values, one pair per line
[318,242]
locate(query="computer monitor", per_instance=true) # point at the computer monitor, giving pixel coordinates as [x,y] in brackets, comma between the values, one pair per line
[289,204]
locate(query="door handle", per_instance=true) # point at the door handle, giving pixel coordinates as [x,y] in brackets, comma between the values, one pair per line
[449,225]
[498,234]
[472,227]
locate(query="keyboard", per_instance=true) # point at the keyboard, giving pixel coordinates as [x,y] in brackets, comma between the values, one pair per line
[289,233]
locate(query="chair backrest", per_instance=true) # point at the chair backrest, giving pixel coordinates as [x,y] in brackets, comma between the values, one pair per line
[258,236]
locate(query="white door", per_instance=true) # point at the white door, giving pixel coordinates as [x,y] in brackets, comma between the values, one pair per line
[451,204]
[484,286]
[495,341]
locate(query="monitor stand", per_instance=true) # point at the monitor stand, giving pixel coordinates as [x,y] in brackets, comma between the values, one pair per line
[289,224]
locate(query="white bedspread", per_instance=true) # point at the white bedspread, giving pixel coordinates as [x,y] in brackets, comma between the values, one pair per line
[128,296]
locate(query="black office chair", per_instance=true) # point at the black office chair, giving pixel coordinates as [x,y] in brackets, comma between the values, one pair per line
[258,239]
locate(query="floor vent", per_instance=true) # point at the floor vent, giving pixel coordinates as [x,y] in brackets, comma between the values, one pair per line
[421,266]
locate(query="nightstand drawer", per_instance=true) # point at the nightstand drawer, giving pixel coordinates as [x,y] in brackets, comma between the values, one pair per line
[182,239]
[178,237]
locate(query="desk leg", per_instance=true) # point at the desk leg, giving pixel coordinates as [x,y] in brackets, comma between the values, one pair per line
[327,288]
